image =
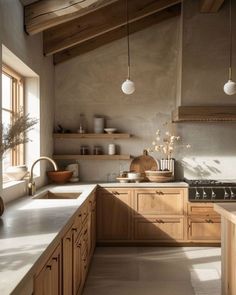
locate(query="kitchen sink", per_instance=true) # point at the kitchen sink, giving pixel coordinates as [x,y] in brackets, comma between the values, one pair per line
[58,195]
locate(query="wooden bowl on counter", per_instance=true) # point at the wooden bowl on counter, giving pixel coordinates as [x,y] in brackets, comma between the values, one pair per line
[60,177]
[159,176]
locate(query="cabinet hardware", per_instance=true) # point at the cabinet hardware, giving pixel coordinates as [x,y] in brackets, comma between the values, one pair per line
[54,258]
[80,215]
[209,221]
[79,245]
[49,267]
[68,239]
[74,229]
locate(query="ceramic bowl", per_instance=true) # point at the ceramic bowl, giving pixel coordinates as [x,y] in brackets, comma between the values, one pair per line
[134,175]
[110,130]
[16,172]
[60,176]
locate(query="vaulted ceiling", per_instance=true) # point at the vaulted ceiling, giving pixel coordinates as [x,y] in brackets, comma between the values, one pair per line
[73,27]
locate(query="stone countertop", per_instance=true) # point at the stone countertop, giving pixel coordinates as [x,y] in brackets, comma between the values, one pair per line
[143,184]
[226,210]
[28,226]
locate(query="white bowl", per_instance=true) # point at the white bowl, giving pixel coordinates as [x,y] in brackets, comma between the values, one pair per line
[16,172]
[134,175]
[110,130]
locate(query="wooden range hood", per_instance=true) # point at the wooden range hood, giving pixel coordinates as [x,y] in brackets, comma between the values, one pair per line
[204,114]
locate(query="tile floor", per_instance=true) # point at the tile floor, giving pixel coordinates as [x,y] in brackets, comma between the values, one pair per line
[149,270]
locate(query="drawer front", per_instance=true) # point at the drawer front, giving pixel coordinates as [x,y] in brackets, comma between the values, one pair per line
[204,229]
[160,201]
[201,209]
[159,229]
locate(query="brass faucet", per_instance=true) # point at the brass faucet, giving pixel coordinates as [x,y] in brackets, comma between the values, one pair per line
[31,184]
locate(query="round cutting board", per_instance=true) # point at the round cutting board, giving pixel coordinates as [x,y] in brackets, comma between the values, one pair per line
[142,163]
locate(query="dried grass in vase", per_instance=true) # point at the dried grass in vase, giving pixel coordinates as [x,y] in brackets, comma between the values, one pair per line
[15,134]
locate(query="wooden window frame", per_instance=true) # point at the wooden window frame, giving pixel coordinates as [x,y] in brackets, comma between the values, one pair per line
[18,103]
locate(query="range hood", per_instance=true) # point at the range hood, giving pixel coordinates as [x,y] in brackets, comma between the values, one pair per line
[204,113]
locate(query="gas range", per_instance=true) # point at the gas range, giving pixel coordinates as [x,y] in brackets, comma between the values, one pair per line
[209,190]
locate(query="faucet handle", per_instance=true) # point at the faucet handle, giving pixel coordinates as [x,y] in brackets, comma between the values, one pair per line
[31,188]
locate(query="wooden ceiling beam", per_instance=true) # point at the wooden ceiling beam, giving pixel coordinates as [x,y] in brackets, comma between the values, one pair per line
[46,14]
[210,6]
[99,22]
[116,34]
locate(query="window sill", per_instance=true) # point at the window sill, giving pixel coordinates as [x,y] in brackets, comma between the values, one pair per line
[13,183]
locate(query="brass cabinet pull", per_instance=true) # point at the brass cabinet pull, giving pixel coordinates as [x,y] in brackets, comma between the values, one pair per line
[74,229]
[209,221]
[68,239]
[79,245]
[115,193]
[159,193]
[54,258]
[49,267]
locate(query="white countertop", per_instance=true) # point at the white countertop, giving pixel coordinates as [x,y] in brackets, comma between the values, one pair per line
[29,225]
[226,210]
[143,184]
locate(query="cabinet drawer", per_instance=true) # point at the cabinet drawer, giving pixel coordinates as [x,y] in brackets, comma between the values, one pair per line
[160,201]
[201,209]
[204,229]
[161,229]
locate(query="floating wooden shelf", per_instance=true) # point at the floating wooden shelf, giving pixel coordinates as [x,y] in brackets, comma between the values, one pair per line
[204,113]
[92,157]
[91,135]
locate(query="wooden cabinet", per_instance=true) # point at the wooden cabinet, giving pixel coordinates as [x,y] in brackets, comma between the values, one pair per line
[204,224]
[66,269]
[204,229]
[114,214]
[49,279]
[159,229]
[166,201]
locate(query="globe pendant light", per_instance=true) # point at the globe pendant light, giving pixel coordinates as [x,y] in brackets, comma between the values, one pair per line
[128,86]
[230,86]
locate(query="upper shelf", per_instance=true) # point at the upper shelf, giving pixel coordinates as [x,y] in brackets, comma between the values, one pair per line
[91,135]
[204,113]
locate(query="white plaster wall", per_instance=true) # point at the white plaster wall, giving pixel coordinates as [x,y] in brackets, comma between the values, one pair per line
[30,50]
[90,84]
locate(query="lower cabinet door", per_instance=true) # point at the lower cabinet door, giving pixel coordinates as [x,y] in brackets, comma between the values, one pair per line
[204,229]
[67,246]
[48,281]
[159,229]
[77,266]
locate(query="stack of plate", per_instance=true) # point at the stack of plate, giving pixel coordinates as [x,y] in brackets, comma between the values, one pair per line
[159,176]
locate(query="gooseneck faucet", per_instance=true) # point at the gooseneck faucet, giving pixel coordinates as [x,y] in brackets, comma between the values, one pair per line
[31,185]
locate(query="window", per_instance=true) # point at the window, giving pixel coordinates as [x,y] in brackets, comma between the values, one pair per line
[12,102]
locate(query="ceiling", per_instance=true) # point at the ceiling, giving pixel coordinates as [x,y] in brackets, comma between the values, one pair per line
[73,27]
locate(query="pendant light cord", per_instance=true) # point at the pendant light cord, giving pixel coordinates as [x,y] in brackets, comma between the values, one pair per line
[127,28]
[231,40]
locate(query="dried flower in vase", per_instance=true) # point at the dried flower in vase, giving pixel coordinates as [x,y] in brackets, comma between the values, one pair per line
[15,133]
[166,144]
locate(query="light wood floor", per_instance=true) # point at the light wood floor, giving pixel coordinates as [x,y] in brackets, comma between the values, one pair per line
[148,270]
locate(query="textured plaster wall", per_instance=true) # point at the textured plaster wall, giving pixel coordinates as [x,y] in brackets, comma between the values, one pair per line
[171,64]
[205,54]
[29,50]
[90,84]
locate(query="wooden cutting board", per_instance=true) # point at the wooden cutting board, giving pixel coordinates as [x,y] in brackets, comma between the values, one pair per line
[142,163]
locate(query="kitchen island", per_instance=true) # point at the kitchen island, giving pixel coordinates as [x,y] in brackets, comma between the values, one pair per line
[228,245]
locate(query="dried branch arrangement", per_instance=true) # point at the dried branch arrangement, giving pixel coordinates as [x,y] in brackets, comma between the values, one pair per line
[166,144]
[15,133]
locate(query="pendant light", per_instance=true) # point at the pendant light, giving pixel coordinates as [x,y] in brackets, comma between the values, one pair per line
[128,86]
[230,86]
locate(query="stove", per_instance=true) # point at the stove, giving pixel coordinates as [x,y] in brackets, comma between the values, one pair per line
[209,190]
